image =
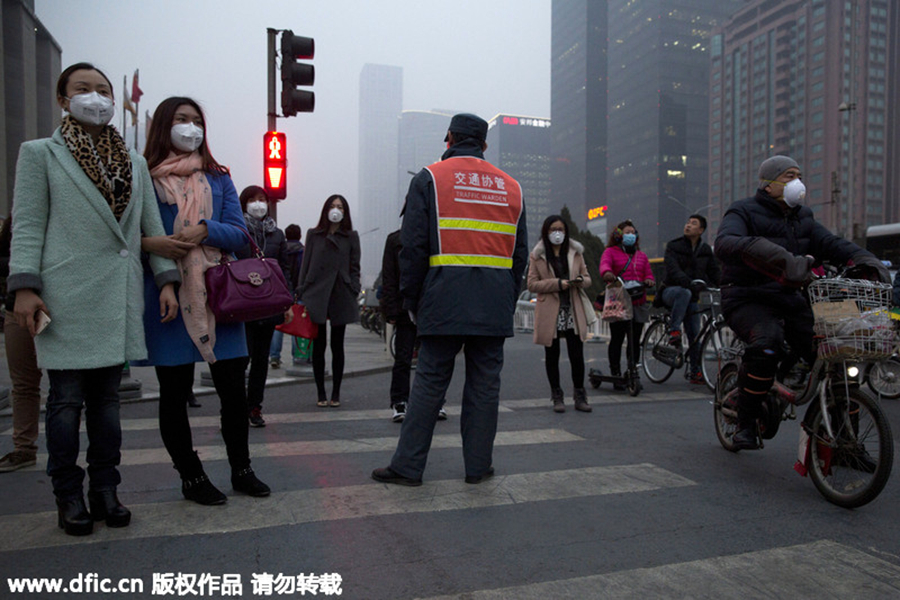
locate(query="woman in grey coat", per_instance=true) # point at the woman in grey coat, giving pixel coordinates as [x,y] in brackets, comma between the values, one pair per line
[329,286]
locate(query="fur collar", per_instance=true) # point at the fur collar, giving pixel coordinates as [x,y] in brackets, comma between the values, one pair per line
[540,253]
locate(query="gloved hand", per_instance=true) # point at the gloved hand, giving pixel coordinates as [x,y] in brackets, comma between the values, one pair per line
[609,277]
[873,264]
[776,262]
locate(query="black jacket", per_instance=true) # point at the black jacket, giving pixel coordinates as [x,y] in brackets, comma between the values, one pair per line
[763,247]
[391,300]
[685,263]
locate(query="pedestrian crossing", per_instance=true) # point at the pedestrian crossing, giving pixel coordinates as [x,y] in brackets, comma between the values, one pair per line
[819,569]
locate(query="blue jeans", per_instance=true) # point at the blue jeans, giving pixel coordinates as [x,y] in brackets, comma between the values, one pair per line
[277,343]
[97,390]
[683,310]
[480,402]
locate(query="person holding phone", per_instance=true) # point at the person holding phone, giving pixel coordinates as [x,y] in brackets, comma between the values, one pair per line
[88,280]
[557,274]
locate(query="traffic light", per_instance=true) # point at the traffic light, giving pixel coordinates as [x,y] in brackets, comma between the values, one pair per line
[275,165]
[294,74]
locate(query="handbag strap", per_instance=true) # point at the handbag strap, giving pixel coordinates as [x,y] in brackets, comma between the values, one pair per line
[257,253]
[625,268]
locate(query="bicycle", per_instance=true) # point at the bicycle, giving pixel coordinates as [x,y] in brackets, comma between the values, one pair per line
[717,342]
[846,443]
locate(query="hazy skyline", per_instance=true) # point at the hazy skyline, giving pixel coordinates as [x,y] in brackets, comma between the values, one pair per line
[485,57]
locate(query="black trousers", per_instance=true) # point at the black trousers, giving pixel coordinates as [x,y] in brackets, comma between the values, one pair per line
[617,333]
[404,346]
[259,339]
[175,385]
[337,359]
[575,347]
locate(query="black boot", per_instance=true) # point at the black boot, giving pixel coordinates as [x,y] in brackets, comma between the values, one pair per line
[556,396]
[616,371]
[581,402]
[245,481]
[201,490]
[105,505]
[73,516]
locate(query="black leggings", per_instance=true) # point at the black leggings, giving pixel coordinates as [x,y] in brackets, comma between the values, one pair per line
[575,347]
[617,334]
[337,359]
[175,385]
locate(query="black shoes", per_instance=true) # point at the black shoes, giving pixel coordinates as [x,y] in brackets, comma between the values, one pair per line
[556,397]
[105,505]
[202,491]
[476,479]
[387,475]
[745,439]
[192,401]
[73,516]
[857,459]
[581,402]
[256,419]
[245,481]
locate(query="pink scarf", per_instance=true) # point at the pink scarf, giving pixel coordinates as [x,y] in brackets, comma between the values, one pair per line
[180,180]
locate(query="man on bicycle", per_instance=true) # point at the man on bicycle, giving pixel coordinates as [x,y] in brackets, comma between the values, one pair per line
[768,244]
[688,258]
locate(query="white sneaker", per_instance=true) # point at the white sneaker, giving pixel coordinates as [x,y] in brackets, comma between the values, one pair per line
[399,412]
[442,415]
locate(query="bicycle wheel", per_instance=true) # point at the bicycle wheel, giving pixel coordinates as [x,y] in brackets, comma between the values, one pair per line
[720,345]
[725,413]
[655,370]
[851,468]
[883,378]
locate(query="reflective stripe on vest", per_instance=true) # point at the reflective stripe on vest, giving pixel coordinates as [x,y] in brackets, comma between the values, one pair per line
[478,208]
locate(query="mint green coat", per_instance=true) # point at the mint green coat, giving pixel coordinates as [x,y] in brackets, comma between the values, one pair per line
[67,246]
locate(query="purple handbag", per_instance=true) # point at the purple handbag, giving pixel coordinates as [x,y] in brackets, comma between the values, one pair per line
[248,289]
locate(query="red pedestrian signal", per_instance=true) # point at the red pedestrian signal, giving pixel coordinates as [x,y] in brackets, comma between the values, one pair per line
[275,165]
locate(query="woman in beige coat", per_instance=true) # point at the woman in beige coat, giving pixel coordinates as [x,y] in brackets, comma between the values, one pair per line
[558,277]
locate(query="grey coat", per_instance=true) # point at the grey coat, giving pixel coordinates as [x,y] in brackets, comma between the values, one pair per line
[329,277]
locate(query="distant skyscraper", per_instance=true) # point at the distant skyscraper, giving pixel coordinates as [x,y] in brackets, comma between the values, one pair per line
[578,98]
[816,80]
[380,104]
[659,66]
[521,147]
[421,133]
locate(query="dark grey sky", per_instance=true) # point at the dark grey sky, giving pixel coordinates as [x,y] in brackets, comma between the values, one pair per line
[482,56]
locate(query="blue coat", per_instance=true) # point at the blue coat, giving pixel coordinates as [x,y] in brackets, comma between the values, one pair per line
[86,266]
[454,300]
[168,344]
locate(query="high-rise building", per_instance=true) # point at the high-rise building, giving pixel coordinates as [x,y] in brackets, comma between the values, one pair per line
[659,65]
[520,146]
[421,135]
[380,104]
[29,67]
[816,80]
[578,98]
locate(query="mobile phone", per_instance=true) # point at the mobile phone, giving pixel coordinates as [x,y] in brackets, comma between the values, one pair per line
[43,319]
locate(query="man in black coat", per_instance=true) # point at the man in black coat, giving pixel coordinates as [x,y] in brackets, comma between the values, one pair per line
[688,259]
[768,244]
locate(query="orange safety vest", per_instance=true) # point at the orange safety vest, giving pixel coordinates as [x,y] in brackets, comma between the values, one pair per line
[478,208]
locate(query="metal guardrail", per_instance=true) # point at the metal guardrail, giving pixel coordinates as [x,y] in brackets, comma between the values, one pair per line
[523,321]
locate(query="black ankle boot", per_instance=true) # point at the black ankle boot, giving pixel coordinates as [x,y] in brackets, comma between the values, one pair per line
[73,516]
[105,505]
[556,397]
[245,481]
[617,372]
[201,490]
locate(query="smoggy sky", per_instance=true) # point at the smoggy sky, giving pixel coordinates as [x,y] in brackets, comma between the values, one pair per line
[481,56]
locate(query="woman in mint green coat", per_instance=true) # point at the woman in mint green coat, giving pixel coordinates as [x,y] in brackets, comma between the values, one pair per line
[81,204]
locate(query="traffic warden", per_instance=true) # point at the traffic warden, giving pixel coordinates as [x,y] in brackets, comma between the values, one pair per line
[768,244]
[464,253]
[688,259]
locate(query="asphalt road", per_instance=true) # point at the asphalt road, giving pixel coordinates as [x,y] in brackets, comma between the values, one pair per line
[634,500]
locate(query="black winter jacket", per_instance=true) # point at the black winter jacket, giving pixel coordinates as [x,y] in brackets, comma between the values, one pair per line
[684,263]
[763,245]
[391,300]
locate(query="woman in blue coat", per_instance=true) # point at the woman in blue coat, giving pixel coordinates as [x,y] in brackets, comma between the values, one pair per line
[202,217]
[329,286]
[82,201]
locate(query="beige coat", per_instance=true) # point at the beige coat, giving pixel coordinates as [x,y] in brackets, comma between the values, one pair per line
[542,281]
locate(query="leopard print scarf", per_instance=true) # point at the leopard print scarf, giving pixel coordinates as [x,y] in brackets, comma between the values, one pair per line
[107,163]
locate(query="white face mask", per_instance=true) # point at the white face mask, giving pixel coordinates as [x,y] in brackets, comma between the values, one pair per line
[556,237]
[257,209]
[91,109]
[794,193]
[335,215]
[187,137]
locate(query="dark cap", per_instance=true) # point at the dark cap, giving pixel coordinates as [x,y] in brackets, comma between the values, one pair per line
[774,166]
[468,124]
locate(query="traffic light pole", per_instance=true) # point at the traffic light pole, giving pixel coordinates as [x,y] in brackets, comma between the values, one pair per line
[273,33]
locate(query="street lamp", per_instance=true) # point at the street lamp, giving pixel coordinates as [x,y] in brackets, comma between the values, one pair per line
[849,107]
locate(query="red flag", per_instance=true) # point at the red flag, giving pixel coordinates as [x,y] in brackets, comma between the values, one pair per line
[136,92]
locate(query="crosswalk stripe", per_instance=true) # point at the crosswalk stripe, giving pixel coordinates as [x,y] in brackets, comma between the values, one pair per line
[821,569]
[149,456]
[241,513]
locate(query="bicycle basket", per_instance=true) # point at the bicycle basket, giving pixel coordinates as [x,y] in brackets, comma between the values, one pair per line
[853,316]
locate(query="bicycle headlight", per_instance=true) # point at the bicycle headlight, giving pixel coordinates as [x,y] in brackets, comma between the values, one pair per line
[852,371]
